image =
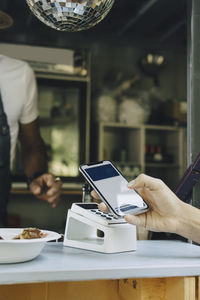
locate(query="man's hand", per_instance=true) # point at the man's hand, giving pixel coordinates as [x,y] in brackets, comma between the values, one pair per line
[165,209]
[47,187]
[166,213]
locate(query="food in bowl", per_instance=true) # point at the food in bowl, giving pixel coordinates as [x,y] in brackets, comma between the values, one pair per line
[30,233]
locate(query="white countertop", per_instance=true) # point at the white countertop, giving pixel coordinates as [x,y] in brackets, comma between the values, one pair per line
[151,259]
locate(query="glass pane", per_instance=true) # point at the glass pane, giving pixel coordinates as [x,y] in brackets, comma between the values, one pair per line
[59,122]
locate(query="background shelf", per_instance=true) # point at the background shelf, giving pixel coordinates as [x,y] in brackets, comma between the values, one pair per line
[127,146]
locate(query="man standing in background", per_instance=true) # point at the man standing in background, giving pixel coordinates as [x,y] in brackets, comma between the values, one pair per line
[19,121]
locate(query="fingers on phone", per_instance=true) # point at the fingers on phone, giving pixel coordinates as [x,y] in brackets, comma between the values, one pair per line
[103,207]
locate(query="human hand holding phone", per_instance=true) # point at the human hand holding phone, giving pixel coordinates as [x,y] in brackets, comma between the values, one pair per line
[111,187]
[165,209]
[167,213]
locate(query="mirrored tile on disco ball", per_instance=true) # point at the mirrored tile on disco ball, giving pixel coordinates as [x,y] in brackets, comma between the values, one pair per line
[70,15]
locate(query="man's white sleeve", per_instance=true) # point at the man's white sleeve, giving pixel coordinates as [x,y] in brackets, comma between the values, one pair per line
[30,109]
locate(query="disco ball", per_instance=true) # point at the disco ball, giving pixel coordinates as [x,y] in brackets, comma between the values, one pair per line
[70,15]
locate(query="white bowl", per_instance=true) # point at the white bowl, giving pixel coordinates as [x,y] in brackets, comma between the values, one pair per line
[15,251]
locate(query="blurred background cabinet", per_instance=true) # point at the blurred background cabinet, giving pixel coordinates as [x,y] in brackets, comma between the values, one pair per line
[158,151]
[64,106]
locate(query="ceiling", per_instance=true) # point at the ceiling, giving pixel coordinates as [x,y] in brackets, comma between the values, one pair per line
[129,21]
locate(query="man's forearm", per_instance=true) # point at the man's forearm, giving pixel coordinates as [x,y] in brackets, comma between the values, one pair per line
[34,160]
[33,149]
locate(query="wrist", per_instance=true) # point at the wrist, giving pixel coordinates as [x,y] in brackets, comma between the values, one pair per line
[181,219]
[189,222]
[34,176]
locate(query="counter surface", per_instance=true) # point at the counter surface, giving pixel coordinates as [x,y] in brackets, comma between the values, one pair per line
[151,259]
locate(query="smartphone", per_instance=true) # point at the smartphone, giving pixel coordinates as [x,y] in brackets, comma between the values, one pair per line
[112,188]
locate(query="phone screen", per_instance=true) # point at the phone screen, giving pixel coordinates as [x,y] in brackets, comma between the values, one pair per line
[112,187]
